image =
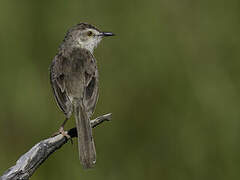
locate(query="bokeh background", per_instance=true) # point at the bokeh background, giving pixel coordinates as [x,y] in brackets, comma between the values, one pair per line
[170,77]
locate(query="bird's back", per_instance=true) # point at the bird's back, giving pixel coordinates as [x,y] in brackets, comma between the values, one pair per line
[74,75]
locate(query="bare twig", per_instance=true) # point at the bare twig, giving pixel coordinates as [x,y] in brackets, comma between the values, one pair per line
[27,164]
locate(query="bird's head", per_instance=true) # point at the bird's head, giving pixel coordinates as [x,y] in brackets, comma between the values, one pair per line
[85,36]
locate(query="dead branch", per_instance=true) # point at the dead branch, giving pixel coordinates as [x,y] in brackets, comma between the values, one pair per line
[27,164]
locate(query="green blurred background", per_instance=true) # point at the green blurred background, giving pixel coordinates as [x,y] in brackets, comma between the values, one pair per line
[170,77]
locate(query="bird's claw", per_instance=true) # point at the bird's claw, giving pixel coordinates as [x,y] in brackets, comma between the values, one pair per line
[61,131]
[64,133]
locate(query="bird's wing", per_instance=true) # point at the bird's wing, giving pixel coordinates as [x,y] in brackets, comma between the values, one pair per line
[58,85]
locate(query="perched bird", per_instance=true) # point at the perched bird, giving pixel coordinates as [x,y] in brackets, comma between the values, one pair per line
[74,80]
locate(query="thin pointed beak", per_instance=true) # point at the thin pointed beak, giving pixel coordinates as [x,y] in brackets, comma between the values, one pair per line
[104,34]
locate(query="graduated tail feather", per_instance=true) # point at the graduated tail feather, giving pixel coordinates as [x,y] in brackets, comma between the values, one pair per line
[86,147]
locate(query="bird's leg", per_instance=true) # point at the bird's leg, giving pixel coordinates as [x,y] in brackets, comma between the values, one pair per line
[61,131]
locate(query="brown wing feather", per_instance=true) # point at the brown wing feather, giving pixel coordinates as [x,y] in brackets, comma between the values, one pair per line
[58,86]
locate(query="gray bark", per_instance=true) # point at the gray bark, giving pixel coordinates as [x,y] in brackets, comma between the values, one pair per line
[27,164]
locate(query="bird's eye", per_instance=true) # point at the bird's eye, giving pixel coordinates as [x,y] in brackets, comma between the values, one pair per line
[89,33]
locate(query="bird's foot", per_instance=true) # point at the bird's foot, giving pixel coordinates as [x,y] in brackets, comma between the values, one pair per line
[64,133]
[61,131]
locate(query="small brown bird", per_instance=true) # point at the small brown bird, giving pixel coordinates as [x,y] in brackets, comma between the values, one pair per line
[74,80]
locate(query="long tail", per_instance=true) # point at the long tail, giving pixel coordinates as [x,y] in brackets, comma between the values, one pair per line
[86,147]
